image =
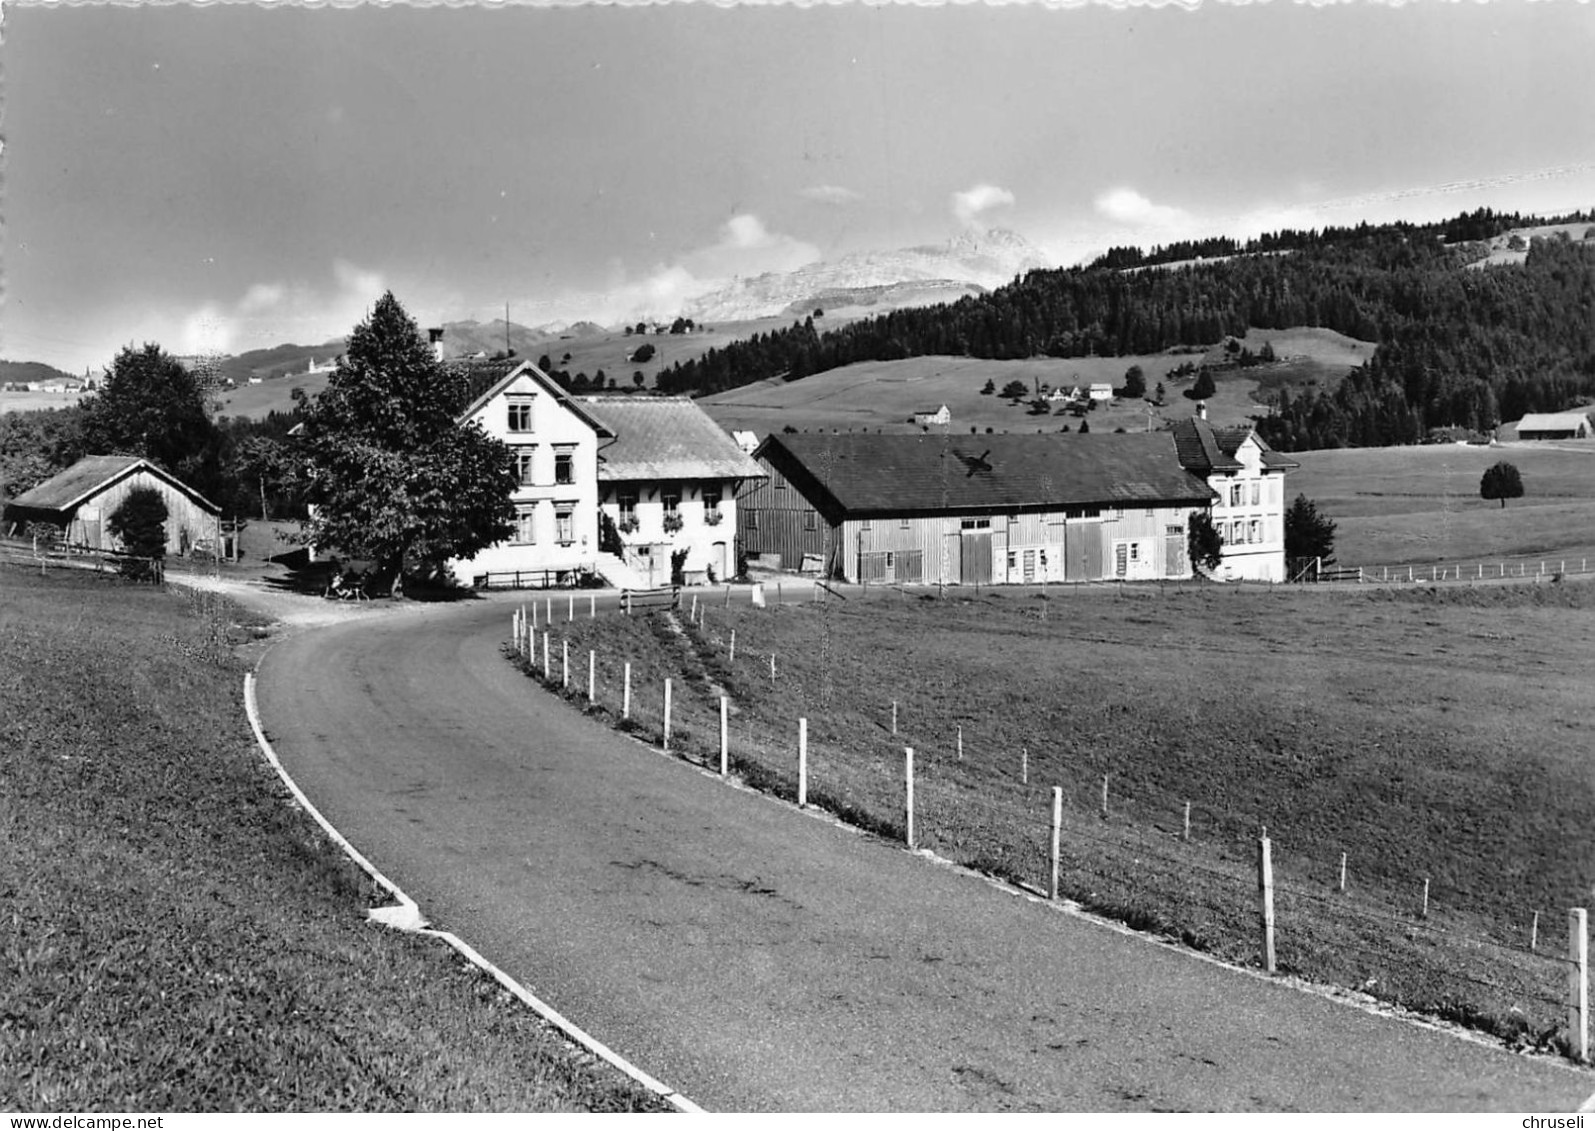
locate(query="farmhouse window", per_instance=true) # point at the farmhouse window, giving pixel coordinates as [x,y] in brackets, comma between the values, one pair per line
[520,414]
[628,506]
[564,524]
[1135,551]
[975,524]
[1237,493]
[523,466]
[904,524]
[526,524]
[866,525]
[671,497]
[711,502]
[1254,531]
[753,518]
[808,520]
[565,466]
[1256,492]
[1082,512]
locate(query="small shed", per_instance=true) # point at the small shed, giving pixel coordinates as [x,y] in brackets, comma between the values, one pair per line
[83,497]
[932,414]
[1100,391]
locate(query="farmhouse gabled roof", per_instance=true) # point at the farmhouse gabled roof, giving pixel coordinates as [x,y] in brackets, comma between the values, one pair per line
[490,378]
[1552,422]
[862,474]
[93,474]
[1204,449]
[666,438]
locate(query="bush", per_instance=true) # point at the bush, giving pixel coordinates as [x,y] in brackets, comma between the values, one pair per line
[140,525]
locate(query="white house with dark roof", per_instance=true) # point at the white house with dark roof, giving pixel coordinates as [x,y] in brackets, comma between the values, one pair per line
[667,485]
[1248,479]
[555,442]
[1552,426]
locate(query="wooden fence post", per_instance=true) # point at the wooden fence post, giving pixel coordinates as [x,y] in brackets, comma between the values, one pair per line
[960,742]
[592,675]
[549,611]
[1342,873]
[1185,834]
[1534,932]
[667,713]
[692,614]
[772,669]
[625,695]
[534,615]
[1265,896]
[627,596]
[725,736]
[1057,838]
[1104,797]
[592,605]
[803,763]
[548,670]
[728,597]
[570,611]
[564,659]
[731,657]
[1425,897]
[1578,983]
[1024,765]
[894,716]
[908,792]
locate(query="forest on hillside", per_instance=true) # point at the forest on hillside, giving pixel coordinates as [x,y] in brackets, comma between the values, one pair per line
[1456,348]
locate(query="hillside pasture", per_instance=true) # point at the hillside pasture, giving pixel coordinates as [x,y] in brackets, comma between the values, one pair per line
[1430,734]
[1421,505]
[1501,252]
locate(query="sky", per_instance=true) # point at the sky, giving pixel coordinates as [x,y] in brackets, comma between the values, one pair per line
[227,177]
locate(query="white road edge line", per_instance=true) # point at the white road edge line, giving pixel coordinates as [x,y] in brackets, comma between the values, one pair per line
[406,916]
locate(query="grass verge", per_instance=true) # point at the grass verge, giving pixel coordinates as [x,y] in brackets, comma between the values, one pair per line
[177,935]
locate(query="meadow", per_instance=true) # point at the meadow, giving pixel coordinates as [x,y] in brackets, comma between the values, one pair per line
[1433,735]
[178,936]
[1421,505]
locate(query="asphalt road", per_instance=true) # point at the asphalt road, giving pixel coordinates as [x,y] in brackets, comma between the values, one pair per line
[758,958]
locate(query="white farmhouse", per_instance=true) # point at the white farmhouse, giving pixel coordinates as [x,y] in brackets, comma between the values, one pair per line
[1248,478]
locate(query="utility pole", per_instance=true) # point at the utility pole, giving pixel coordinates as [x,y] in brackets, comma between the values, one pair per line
[506,330]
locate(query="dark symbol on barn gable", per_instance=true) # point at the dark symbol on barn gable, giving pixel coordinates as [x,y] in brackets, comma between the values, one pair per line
[975,463]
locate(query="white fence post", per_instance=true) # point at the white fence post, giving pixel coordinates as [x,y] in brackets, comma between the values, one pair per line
[548,669]
[1057,838]
[725,735]
[1578,983]
[570,612]
[1265,896]
[592,605]
[803,763]
[592,675]
[564,659]
[731,657]
[534,615]
[548,611]
[625,695]
[667,713]
[908,792]
[894,716]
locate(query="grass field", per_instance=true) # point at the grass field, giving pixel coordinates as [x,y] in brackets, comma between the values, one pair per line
[884,395]
[1430,735]
[176,935]
[1421,505]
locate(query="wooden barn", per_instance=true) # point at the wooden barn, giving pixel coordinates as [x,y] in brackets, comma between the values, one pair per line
[82,498]
[975,509]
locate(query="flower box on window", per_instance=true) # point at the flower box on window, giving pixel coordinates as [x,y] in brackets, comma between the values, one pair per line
[712,518]
[628,525]
[673,523]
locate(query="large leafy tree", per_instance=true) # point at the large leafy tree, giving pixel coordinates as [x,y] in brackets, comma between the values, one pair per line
[1308,536]
[140,525]
[152,406]
[1202,541]
[1502,481]
[392,474]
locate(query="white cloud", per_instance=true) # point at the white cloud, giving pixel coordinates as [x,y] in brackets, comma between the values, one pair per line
[1127,207]
[272,312]
[969,204]
[831,194]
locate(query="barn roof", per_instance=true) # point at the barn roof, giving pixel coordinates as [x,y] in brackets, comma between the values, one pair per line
[1552,422]
[666,438]
[861,473]
[91,475]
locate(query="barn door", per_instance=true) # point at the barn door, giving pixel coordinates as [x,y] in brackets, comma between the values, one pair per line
[977,558]
[1173,551]
[1083,553]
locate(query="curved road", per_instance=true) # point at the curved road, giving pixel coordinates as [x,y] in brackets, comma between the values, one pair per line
[757,958]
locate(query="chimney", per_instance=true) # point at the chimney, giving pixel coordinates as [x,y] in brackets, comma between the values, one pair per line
[435,336]
[1201,410]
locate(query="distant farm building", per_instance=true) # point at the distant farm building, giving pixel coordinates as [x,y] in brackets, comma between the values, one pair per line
[1248,478]
[937,415]
[81,499]
[1100,392]
[1553,426]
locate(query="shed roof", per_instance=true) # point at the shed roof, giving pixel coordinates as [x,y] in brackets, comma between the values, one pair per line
[666,438]
[92,474]
[861,473]
[1205,449]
